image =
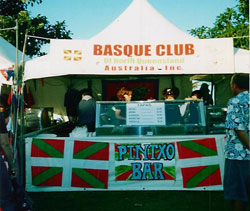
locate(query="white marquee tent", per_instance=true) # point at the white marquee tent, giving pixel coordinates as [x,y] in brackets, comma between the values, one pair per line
[139,42]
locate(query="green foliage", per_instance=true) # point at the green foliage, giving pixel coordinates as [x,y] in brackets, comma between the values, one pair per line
[234,22]
[35,26]
[13,7]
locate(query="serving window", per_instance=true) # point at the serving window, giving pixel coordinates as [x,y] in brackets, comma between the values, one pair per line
[150,118]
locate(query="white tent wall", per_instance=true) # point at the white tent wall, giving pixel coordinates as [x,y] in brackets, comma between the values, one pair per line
[51,94]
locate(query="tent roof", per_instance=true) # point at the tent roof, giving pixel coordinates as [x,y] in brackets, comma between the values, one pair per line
[42,65]
[38,68]
[242,60]
[8,54]
[241,65]
[7,59]
[141,22]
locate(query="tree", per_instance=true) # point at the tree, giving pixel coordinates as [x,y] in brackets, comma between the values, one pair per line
[13,7]
[39,26]
[234,22]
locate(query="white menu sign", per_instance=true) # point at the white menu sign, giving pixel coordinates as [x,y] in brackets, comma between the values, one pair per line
[146,113]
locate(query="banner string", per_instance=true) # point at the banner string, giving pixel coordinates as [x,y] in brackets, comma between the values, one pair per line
[238,37]
[241,37]
[8,28]
[44,38]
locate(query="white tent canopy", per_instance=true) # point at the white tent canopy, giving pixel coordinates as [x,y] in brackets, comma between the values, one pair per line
[8,54]
[242,60]
[141,22]
[38,68]
[7,58]
[139,42]
[42,65]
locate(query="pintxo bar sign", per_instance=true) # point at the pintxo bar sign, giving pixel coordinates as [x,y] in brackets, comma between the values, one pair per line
[145,161]
[180,57]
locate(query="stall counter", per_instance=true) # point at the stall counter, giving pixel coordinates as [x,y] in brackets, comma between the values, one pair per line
[184,162]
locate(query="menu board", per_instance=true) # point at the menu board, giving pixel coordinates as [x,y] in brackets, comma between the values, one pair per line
[145,113]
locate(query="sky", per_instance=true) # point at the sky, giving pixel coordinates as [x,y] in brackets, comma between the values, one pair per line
[86,18]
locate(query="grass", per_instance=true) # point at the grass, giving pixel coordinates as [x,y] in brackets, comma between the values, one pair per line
[130,200]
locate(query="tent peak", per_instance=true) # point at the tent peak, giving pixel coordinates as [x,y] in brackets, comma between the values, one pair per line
[141,22]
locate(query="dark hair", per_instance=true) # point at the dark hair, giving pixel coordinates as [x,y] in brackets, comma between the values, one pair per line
[85,92]
[167,92]
[204,87]
[197,93]
[241,80]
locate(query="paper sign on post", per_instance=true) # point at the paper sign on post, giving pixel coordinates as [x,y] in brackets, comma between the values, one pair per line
[146,114]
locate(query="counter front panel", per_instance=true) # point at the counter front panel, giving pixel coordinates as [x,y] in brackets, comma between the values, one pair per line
[125,163]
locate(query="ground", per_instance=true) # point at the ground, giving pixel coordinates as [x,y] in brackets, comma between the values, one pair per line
[130,200]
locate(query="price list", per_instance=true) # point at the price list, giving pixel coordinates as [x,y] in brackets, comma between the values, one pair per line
[145,114]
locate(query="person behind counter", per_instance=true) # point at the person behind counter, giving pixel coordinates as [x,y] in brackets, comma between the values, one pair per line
[124,94]
[86,110]
[189,110]
[205,95]
[173,115]
[168,94]
[195,95]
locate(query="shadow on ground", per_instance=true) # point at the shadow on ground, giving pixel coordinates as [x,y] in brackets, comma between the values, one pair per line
[131,200]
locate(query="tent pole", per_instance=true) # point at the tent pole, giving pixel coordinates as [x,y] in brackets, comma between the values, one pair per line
[22,129]
[16,68]
[22,87]
[15,86]
[14,94]
[212,90]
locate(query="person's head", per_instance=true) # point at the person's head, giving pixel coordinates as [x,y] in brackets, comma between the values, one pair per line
[239,83]
[168,94]
[204,88]
[196,95]
[84,92]
[124,94]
